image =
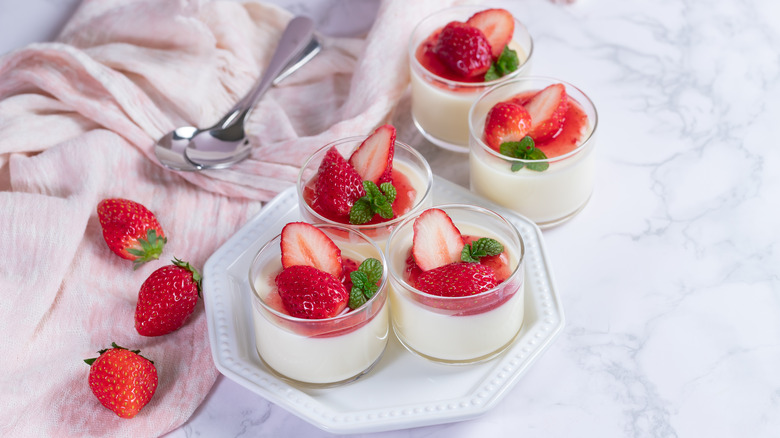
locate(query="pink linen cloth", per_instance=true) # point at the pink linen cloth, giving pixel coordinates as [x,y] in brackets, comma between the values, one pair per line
[78,121]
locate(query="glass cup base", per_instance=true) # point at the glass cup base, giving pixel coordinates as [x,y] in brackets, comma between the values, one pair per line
[313,385]
[440,143]
[470,361]
[555,222]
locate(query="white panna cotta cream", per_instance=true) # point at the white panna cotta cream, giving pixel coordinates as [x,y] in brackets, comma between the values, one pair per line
[547,197]
[415,172]
[319,352]
[440,106]
[458,330]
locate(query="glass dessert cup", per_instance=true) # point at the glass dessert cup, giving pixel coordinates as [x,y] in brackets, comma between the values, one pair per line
[319,352]
[458,330]
[440,106]
[406,160]
[548,197]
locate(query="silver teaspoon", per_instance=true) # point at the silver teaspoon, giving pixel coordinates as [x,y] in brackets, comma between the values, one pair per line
[170,149]
[226,144]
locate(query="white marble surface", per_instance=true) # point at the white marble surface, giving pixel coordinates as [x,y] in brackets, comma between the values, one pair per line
[670,278]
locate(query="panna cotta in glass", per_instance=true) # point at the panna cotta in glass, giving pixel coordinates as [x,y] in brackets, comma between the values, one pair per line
[456,283]
[531,148]
[446,80]
[367,183]
[319,304]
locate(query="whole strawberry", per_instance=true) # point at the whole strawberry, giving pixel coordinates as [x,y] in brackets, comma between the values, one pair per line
[464,49]
[338,185]
[167,298]
[310,293]
[130,230]
[122,380]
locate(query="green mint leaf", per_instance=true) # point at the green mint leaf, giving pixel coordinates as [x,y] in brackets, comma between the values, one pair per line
[492,74]
[488,246]
[466,255]
[360,212]
[356,298]
[507,62]
[372,268]
[364,282]
[525,149]
[389,190]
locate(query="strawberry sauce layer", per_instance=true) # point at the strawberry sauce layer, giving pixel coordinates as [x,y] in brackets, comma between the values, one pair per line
[569,137]
[404,201]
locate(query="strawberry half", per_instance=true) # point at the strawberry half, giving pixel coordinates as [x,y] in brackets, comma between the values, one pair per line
[373,159]
[167,298]
[506,121]
[130,230]
[437,241]
[547,109]
[457,280]
[497,25]
[122,380]
[464,49]
[304,244]
[309,293]
[338,185]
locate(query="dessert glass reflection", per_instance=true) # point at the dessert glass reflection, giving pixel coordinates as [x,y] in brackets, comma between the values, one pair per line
[550,196]
[458,329]
[319,352]
[440,105]
[412,178]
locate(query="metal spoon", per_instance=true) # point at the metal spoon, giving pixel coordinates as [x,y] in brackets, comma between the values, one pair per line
[171,148]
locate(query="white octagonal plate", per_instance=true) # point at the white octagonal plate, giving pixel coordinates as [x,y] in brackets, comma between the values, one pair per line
[403,390]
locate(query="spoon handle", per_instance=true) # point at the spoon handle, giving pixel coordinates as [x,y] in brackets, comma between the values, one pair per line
[297,35]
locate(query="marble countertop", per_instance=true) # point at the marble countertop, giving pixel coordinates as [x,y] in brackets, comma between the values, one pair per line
[670,277]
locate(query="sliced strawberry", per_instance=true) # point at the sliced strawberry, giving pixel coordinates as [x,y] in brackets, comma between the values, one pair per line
[464,49]
[547,109]
[373,159]
[498,25]
[437,241]
[506,121]
[310,293]
[338,185]
[457,280]
[304,244]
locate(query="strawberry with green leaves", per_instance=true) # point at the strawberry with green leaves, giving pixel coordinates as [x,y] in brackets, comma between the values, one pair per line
[122,380]
[167,298]
[130,230]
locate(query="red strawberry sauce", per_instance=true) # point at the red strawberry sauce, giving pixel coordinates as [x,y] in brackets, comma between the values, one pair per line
[571,133]
[404,201]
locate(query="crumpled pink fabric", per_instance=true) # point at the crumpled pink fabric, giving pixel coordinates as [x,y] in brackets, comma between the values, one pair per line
[78,121]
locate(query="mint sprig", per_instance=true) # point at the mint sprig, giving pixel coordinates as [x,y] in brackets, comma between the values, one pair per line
[378,200]
[482,247]
[525,149]
[364,282]
[506,63]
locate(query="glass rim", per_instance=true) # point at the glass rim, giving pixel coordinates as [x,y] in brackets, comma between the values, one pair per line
[359,138]
[417,66]
[582,146]
[346,315]
[515,272]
